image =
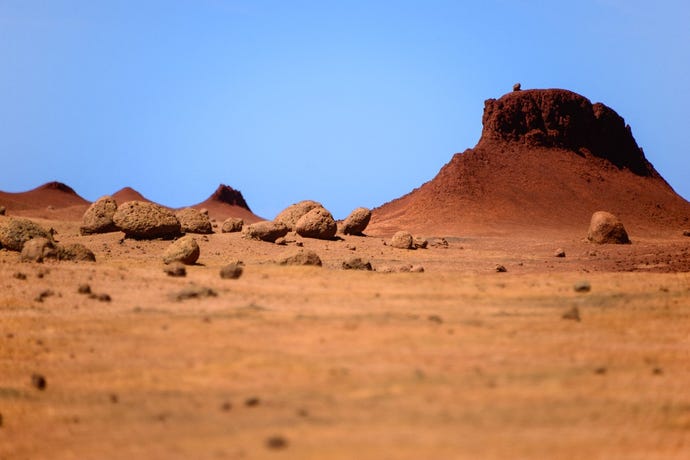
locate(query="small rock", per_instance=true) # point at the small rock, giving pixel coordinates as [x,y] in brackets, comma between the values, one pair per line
[231,271]
[501,269]
[420,243]
[226,406]
[657,371]
[3,211]
[435,319]
[559,253]
[357,263]
[19,275]
[417,269]
[356,222]
[600,370]
[686,233]
[38,381]
[252,402]
[194,292]
[302,257]
[185,250]
[517,87]
[282,241]
[176,269]
[276,442]
[232,225]
[44,294]
[351,247]
[582,286]
[265,231]
[84,289]
[402,240]
[439,243]
[572,314]
[75,252]
[100,297]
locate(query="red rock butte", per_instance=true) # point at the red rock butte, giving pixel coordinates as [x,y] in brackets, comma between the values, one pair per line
[227,202]
[546,160]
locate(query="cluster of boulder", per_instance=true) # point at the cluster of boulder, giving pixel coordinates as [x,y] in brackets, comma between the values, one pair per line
[308,219]
[37,244]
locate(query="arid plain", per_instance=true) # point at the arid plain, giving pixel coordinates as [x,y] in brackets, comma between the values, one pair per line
[581,356]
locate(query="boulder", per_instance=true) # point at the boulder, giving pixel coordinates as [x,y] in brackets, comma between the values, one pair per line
[605,228]
[265,231]
[194,221]
[38,249]
[144,220]
[290,215]
[98,218]
[232,224]
[185,250]
[402,240]
[15,232]
[420,243]
[317,223]
[302,257]
[75,252]
[356,222]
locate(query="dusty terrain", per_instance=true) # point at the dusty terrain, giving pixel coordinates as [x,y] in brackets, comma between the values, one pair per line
[304,362]
[582,356]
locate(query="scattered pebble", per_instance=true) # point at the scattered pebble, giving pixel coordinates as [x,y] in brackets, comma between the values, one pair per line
[686,233]
[435,319]
[357,263]
[44,294]
[176,269]
[276,442]
[226,406]
[501,269]
[559,253]
[657,371]
[114,398]
[100,297]
[582,286]
[600,370]
[84,289]
[194,292]
[38,381]
[252,402]
[573,314]
[231,271]
[19,275]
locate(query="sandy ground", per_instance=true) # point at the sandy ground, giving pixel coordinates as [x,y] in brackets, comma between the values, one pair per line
[313,363]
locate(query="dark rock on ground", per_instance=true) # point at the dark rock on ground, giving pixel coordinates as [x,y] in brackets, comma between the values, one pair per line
[301,257]
[357,263]
[231,271]
[194,292]
[175,269]
[75,252]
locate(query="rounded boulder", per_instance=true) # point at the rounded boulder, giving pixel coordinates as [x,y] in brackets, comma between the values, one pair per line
[98,218]
[265,231]
[357,221]
[232,224]
[144,220]
[606,228]
[317,223]
[15,232]
[290,215]
[185,250]
[402,240]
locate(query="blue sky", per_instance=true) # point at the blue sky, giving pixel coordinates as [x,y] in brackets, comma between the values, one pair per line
[351,103]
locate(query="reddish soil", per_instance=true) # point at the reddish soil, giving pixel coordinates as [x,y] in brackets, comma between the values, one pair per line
[128,194]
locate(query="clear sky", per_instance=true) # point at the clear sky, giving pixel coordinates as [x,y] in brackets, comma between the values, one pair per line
[350,103]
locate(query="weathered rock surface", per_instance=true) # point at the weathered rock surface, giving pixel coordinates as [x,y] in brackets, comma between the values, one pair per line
[402,240]
[317,223]
[357,263]
[356,222]
[290,215]
[265,231]
[75,252]
[185,250]
[38,249]
[232,224]
[301,257]
[98,218]
[194,221]
[605,228]
[14,232]
[144,220]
